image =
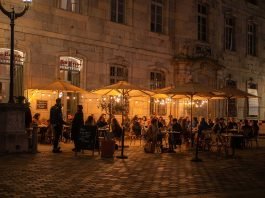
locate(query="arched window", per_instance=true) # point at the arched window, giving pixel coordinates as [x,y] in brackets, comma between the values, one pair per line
[157,81]
[70,68]
[5,73]
[232,104]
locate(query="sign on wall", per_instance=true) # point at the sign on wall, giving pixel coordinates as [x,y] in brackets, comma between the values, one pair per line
[42,104]
[5,57]
[70,63]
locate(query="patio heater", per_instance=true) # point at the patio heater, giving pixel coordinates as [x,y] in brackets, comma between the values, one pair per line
[12,15]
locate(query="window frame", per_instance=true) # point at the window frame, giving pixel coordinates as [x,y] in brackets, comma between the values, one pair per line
[116,78]
[202,22]
[251,39]
[229,34]
[156,7]
[155,106]
[116,12]
[70,6]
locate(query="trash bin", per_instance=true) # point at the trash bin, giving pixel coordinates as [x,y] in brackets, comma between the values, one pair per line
[107,148]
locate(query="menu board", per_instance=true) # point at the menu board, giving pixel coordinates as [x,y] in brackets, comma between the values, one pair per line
[86,139]
[42,104]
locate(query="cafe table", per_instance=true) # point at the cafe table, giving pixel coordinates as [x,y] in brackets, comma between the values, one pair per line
[233,139]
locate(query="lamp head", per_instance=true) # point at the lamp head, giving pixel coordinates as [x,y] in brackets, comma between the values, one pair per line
[27,2]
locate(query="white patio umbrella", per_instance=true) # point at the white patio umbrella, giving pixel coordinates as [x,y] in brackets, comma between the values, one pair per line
[124,89]
[189,90]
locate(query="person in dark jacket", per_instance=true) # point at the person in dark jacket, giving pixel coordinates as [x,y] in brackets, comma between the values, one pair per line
[77,123]
[28,115]
[56,120]
[116,128]
[175,138]
[102,121]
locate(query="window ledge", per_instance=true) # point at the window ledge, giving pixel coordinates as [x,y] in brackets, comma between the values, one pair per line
[253,6]
[158,35]
[69,14]
[230,52]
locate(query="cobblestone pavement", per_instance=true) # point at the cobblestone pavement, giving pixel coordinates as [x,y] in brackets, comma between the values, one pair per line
[46,174]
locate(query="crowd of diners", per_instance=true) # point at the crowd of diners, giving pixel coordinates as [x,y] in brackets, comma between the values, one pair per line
[154,128]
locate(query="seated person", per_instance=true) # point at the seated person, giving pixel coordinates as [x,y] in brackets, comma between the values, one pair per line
[36,119]
[116,128]
[232,124]
[91,127]
[101,121]
[247,129]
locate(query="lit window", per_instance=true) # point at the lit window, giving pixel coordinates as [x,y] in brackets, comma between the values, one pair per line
[118,73]
[251,39]
[117,11]
[70,68]
[202,22]
[70,5]
[156,15]
[230,33]
[157,81]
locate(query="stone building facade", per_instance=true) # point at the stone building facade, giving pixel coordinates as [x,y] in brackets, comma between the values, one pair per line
[151,43]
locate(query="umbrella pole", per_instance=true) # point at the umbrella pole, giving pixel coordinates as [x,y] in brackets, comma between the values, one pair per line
[170,107]
[207,110]
[123,129]
[196,158]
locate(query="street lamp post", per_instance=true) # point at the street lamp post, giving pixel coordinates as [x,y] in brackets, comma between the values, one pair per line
[12,15]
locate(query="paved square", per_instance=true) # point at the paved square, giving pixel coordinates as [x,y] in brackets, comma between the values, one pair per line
[46,174]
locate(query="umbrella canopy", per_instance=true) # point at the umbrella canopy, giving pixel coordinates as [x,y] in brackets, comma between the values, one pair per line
[121,88]
[233,92]
[191,89]
[125,89]
[60,85]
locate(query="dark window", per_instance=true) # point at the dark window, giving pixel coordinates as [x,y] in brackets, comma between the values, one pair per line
[202,22]
[70,5]
[117,11]
[118,73]
[230,33]
[156,15]
[252,2]
[157,80]
[232,105]
[251,40]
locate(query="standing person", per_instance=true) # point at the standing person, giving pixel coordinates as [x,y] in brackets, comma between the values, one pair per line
[151,136]
[28,115]
[175,138]
[77,123]
[56,120]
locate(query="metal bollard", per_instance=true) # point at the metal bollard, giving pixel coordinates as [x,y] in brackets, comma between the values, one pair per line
[34,143]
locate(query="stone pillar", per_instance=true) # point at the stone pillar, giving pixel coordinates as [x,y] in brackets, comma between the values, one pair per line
[13,137]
